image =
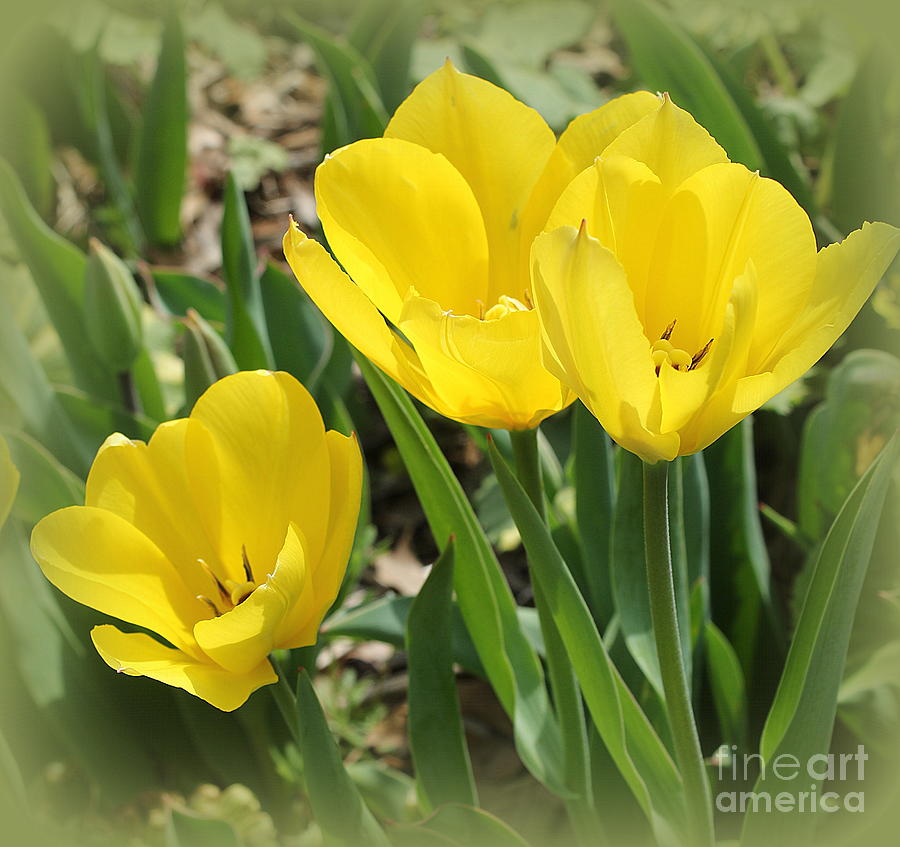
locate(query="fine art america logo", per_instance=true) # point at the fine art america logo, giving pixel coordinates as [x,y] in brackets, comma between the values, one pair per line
[788,784]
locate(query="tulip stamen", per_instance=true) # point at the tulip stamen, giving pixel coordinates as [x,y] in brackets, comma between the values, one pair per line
[244,558]
[480,309]
[527,297]
[212,606]
[698,357]
[223,592]
[667,332]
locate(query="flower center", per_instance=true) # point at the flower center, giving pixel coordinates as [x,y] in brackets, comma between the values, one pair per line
[664,350]
[230,593]
[504,306]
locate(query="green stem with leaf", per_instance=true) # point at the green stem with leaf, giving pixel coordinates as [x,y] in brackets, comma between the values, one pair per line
[564,683]
[664,615]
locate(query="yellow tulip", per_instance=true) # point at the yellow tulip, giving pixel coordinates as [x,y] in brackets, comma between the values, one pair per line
[678,291]
[433,224]
[227,535]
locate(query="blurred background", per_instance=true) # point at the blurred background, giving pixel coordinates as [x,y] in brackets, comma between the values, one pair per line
[181,136]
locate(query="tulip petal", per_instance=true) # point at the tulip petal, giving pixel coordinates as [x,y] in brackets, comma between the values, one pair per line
[490,371]
[353,314]
[399,216]
[240,639]
[100,560]
[846,274]
[585,138]
[594,341]
[622,201]
[721,217]
[146,484]
[257,460]
[670,142]
[498,144]
[137,654]
[301,625]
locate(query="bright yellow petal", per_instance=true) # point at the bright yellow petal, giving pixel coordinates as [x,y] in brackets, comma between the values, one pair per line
[147,485]
[585,138]
[9,481]
[353,314]
[488,372]
[498,144]
[594,340]
[137,654]
[260,459]
[398,216]
[622,201]
[240,639]
[100,560]
[670,142]
[846,274]
[720,218]
[301,625]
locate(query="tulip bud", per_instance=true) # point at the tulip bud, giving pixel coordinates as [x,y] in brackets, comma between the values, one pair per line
[206,357]
[112,308]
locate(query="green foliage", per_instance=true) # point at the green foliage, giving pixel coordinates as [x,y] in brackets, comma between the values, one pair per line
[437,740]
[245,326]
[162,151]
[338,806]
[801,719]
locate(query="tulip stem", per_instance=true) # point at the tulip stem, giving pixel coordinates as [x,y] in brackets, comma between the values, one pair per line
[664,616]
[563,682]
[286,701]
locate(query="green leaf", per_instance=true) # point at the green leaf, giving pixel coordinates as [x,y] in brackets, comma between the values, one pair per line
[801,719]
[455,825]
[437,740]
[637,751]
[777,163]
[245,319]
[385,620]
[11,779]
[162,150]
[856,417]
[740,581]
[388,792]
[354,109]
[112,309]
[302,342]
[25,144]
[865,180]
[667,59]
[511,663]
[729,692]
[93,100]
[46,484]
[9,481]
[190,830]
[180,292]
[25,384]
[93,421]
[385,32]
[69,683]
[335,800]
[628,573]
[207,358]
[594,476]
[57,268]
